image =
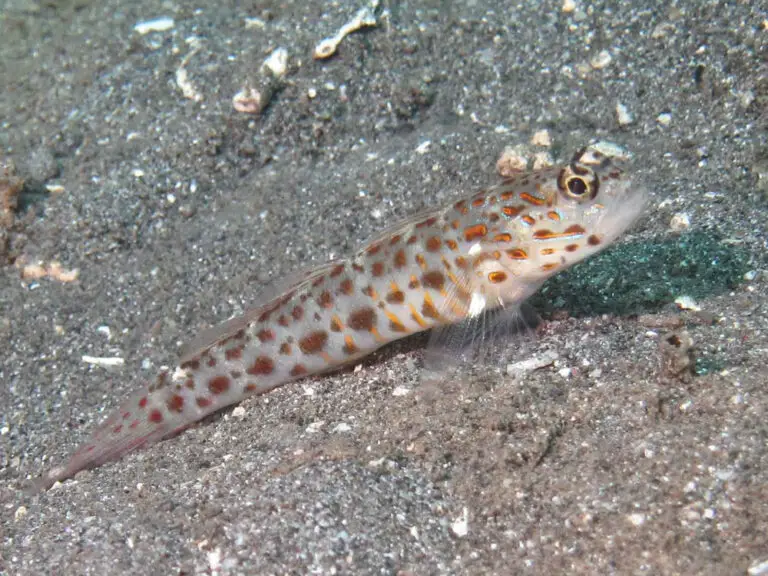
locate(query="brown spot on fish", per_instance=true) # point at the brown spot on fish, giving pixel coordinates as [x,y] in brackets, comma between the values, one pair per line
[346,286]
[234,353]
[298,370]
[266,335]
[477,202]
[433,244]
[395,239]
[203,402]
[283,320]
[400,259]
[571,247]
[319,280]
[426,223]
[396,297]
[413,282]
[373,249]
[285,349]
[377,269]
[412,240]
[357,268]
[433,279]
[593,240]
[211,361]
[193,365]
[362,319]
[218,384]
[325,300]
[337,270]
[263,365]
[313,342]
[175,403]
[474,232]
[370,291]
[452,244]
[461,262]
[297,313]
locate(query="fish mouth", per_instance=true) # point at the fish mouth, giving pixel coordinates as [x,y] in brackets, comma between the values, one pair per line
[630,203]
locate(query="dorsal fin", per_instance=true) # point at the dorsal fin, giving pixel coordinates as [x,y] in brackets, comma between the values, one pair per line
[269,296]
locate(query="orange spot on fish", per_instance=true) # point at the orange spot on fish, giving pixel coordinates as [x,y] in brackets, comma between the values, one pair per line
[531,199]
[472,233]
[505,237]
[349,345]
[517,254]
[336,324]
[428,308]
[497,277]
[549,267]
[413,282]
[452,244]
[477,202]
[547,251]
[420,261]
[552,215]
[512,211]
[528,219]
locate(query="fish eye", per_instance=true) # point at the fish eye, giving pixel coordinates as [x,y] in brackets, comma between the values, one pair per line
[578,182]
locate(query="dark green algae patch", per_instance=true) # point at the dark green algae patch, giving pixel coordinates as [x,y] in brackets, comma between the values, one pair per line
[643,277]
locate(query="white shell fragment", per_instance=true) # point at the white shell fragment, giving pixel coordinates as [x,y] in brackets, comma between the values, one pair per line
[276,63]
[362,19]
[160,24]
